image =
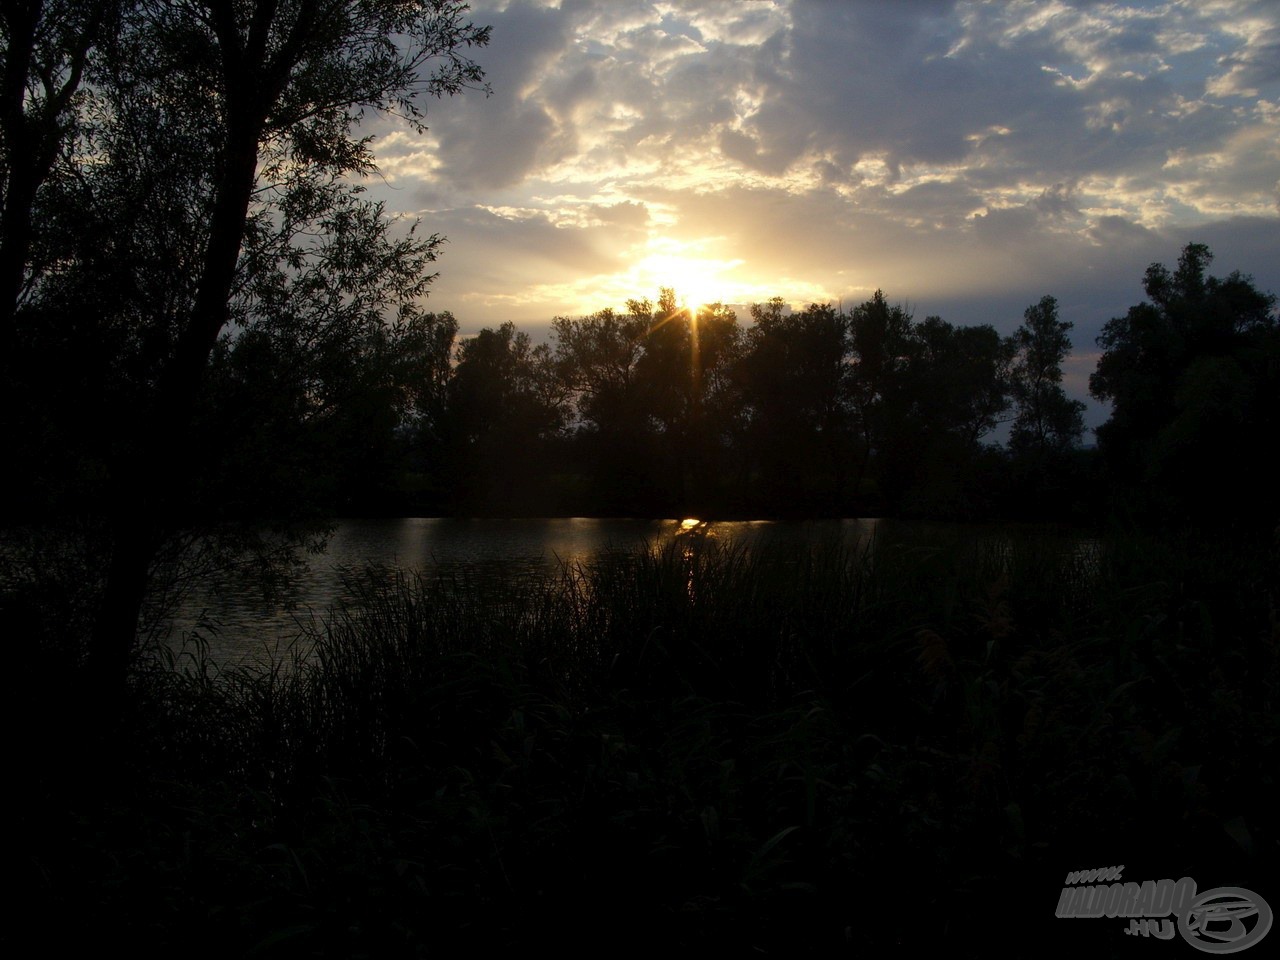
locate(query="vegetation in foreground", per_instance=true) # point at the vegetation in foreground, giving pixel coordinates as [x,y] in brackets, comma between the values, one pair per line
[683,750]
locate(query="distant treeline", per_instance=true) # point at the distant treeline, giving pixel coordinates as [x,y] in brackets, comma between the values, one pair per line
[659,412]
[656,412]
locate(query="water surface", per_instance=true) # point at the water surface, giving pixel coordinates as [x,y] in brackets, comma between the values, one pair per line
[237,621]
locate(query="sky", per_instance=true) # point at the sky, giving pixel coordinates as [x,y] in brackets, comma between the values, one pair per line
[965,157]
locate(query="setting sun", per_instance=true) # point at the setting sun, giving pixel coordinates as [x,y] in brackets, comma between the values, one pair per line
[697,281]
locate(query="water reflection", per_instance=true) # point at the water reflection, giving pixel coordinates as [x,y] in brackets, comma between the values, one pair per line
[691,536]
[501,555]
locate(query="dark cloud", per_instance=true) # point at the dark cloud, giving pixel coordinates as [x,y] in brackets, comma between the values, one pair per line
[935,204]
[497,142]
[1008,226]
[1113,231]
[748,151]
[875,78]
[1057,201]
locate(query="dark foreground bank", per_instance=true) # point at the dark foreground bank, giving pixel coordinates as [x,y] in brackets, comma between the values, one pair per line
[692,751]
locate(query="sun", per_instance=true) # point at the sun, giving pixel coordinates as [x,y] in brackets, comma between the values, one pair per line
[690,268]
[697,281]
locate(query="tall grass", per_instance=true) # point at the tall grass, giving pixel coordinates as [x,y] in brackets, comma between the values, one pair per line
[697,746]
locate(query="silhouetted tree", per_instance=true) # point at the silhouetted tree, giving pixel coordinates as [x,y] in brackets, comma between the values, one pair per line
[682,373]
[1046,419]
[258,102]
[598,360]
[718,420]
[955,390]
[796,381]
[654,402]
[880,337]
[425,370]
[505,404]
[925,395]
[1045,473]
[1193,377]
[962,385]
[292,437]
[44,51]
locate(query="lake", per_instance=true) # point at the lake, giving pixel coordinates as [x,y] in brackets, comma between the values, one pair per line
[237,622]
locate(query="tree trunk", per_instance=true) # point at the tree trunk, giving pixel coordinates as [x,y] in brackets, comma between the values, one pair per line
[133,549]
[15,245]
[148,491]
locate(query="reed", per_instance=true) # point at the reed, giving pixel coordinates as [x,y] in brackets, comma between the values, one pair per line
[702,745]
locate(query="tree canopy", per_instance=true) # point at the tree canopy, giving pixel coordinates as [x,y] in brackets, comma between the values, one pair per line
[184,238]
[1193,378]
[817,411]
[1047,420]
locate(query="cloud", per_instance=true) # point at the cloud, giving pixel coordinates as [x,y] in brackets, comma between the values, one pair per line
[968,157]
[1253,65]
[497,142]
[496,256]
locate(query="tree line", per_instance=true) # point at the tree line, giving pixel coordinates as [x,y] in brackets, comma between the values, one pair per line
[658,411]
